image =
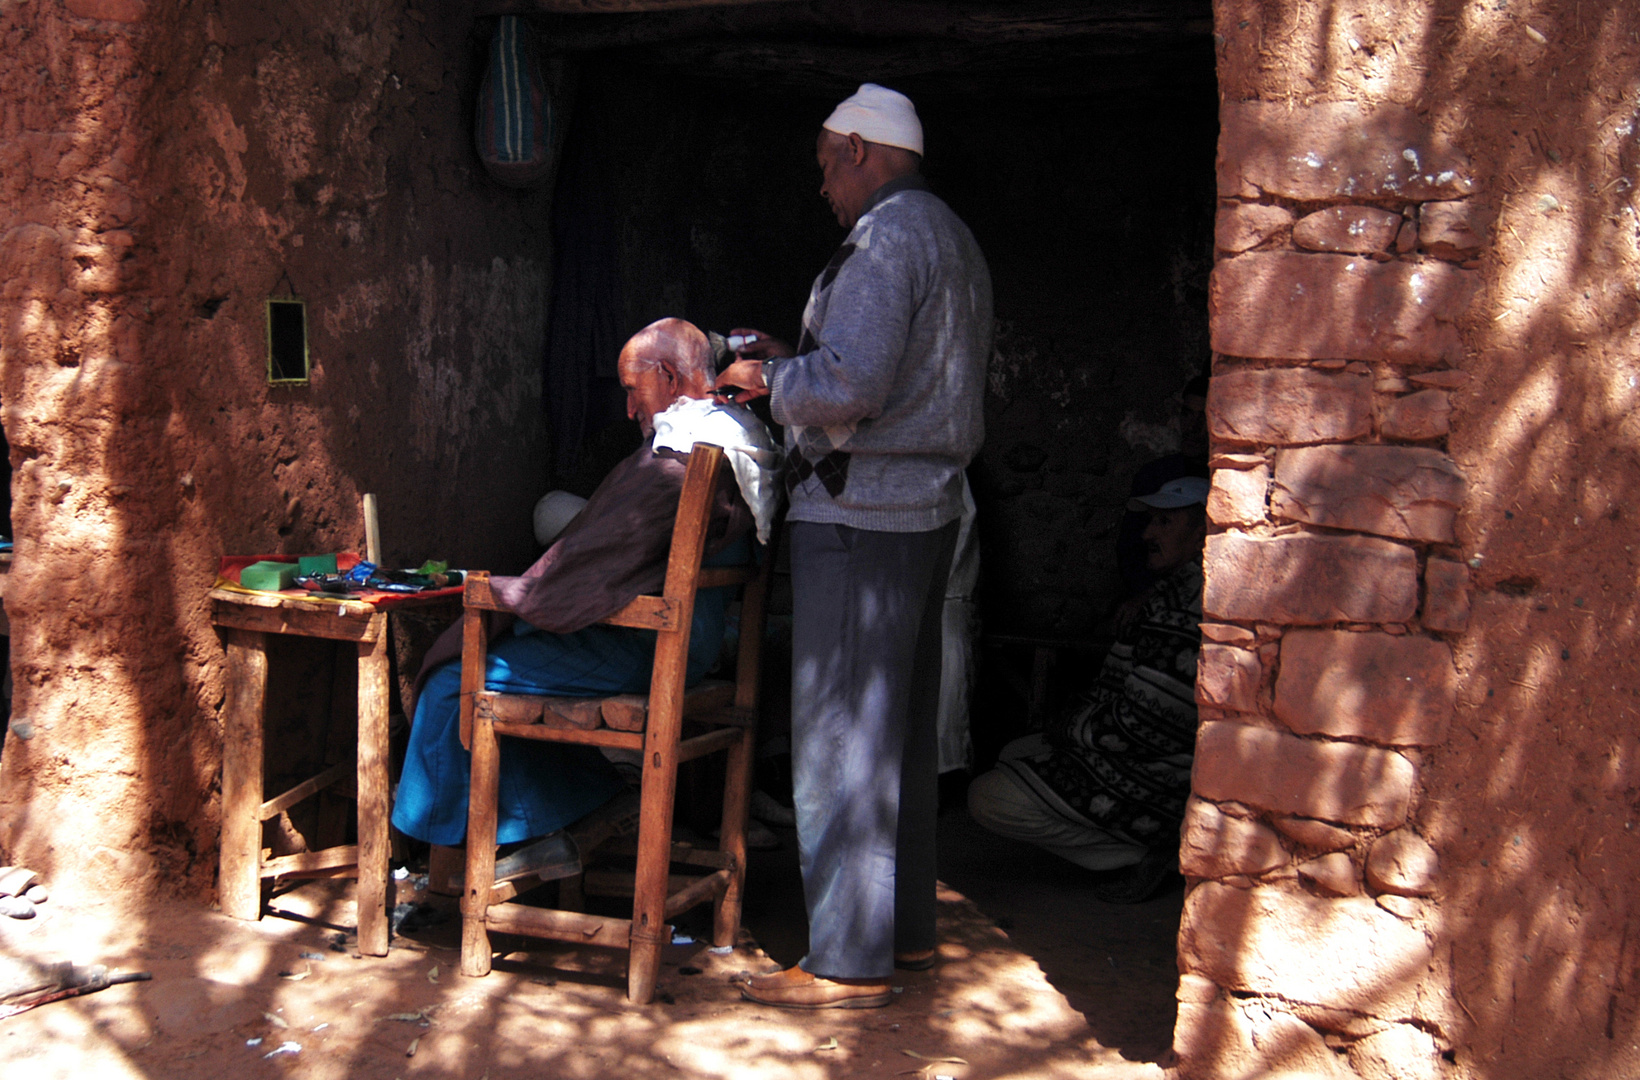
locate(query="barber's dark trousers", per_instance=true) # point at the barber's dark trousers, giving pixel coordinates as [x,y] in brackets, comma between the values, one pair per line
[865,697]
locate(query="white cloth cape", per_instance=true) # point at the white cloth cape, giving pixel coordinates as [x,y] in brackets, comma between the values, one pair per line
[752,453]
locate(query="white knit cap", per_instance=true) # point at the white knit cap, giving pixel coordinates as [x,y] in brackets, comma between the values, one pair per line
[880,115]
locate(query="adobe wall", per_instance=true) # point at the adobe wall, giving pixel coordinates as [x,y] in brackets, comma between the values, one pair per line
[162,167]
[1412,846]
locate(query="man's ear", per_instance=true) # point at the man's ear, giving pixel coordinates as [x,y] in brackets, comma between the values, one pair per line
[856,149]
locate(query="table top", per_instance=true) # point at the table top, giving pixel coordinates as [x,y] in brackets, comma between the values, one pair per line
[349,608]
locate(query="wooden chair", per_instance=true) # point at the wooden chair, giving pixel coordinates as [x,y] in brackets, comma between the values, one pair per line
[651,723]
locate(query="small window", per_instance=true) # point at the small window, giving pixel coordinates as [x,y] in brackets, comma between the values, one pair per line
[287,342]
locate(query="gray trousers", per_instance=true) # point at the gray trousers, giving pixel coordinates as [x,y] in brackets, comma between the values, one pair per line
[866,637]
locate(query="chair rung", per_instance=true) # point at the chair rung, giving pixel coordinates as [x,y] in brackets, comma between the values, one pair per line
[711,742]
[705,888]
[714,577]
[573,926]
[606,882]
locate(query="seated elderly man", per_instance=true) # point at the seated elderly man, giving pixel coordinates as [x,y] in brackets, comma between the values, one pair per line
[1105,785]
[565,797]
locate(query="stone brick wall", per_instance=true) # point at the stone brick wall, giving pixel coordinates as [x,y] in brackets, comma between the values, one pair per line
[1330,584]
[1415,776]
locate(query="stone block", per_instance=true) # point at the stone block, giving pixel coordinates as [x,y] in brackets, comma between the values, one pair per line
[1406,241]
[1423,415]
[1247,225]
[1226,634]
[1395,691]
[1238,496]
[1222,1038]
[1452,230]
[1402,907]
[1446,595]
[1289,405]
[1399,1052]
[1315,835]
[1446,379]
[1333,874]
[1408,492]
[1350,229]
[1229,678]
[1195,989]
[1344,953]
[1308,580]
[111,10]
[1284,774]
[1215,844]
[1336,150]
[1402,863]
[1298,306]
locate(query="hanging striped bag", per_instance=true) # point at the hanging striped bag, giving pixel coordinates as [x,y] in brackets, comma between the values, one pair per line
[515,122]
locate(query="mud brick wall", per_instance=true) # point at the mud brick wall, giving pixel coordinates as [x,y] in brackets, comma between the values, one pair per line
[164,167]
[1415,778]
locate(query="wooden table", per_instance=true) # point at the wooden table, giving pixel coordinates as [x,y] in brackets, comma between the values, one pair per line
[247,620]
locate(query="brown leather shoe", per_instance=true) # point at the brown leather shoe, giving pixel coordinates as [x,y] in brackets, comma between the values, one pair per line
[795,988]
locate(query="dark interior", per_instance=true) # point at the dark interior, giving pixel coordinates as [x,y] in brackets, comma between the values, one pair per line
[1076,140]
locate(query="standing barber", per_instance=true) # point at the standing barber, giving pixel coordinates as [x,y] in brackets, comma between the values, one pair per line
[882,405]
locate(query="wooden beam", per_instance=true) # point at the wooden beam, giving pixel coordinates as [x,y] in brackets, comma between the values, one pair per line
[903,21]
[304,789]
[703,889]
[600,7]
[347,855]
[572,926]
[338,622]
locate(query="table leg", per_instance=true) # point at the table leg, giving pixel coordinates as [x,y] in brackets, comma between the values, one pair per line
[240,882]
[373,793]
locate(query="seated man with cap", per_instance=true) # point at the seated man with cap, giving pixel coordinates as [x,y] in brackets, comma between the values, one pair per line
[567,798]
[1105,785]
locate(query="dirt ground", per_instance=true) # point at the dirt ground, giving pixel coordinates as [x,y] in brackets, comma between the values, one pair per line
[1036,979]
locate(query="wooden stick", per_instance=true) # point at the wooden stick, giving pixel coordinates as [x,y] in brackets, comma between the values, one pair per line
[372,531]
[706,888]
[570,926]
[301,791]
[345,856]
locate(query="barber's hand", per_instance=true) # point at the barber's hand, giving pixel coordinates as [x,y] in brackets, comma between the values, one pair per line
[742,380]
[764,348]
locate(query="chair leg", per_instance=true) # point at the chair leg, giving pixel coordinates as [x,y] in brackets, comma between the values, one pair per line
[737,795]
[481,824]
[649,928]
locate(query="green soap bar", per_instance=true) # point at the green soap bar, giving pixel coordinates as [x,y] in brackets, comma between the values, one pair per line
[315,564]
[268,576]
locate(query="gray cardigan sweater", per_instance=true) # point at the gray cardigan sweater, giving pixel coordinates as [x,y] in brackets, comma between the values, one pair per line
[883,404]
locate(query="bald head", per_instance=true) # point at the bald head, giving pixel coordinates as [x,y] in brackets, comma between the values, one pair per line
[666,360]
